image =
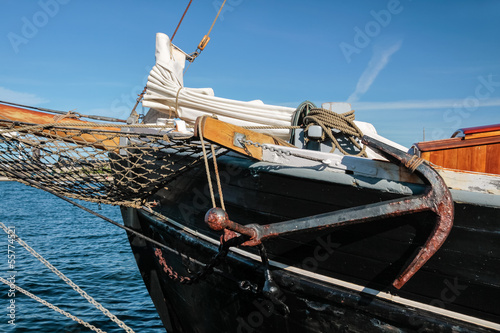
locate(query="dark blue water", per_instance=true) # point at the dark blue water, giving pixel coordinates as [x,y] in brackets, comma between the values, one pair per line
[92,253]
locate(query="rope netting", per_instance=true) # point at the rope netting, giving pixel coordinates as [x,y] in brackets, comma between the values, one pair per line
[118,165]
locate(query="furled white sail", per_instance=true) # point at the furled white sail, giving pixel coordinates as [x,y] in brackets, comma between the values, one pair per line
[166,93]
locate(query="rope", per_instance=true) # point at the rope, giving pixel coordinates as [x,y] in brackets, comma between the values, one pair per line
[69,282]
[207,168]
[96,163]
[217,177]
[264,127]
[180,21]
[28,126]
[298,116]
[93,124]
[139,98]
[344,122]
[53,307]
[204,41]
[413,163]
[176,111]
[70,114]
[216,17]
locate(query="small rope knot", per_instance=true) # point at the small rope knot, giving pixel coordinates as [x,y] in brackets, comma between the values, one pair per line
[70,114]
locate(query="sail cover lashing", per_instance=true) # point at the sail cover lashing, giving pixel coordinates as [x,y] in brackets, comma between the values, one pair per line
[166,93]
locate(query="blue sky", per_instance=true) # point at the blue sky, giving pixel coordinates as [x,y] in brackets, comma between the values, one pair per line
[404,65]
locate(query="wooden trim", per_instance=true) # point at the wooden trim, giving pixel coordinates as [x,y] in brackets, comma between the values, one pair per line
[225,134]
[455,143]
[99,141]
[481,129]
[482,135]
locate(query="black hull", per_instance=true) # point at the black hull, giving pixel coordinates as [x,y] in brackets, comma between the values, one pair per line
[331,280]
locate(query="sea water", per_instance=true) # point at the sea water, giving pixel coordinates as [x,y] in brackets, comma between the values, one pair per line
[91,252]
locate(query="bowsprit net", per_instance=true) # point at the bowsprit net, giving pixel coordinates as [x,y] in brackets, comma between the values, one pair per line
[119,165]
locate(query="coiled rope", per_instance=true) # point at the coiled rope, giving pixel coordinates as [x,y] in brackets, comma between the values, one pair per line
[344,122]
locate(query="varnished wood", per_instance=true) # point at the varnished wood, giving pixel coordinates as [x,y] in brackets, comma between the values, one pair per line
[493,163]
[482,135]
[13,113]
[17,114]
[455,143]
[223,134]
[481,129]
[451,159]
[476,152]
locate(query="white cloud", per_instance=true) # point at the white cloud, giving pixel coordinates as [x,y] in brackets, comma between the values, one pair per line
[379,60]
[20,97]
[424,104]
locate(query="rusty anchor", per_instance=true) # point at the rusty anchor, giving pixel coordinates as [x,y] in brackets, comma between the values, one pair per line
[436,198]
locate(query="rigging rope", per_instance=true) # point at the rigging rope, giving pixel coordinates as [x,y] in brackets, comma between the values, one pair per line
[216,17]
[217,177]
[207,171]
[207,168]
[204,41]
[180,21]
[139,98]
[96,163]
[132,231]
[69,282]
[53,307]
[103,118]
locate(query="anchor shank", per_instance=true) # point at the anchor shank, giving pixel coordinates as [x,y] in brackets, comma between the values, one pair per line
[343,217]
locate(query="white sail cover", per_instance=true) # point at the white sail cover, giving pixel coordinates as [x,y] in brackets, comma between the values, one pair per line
[166,93]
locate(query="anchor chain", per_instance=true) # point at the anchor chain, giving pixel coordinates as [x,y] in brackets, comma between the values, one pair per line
[208,269]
